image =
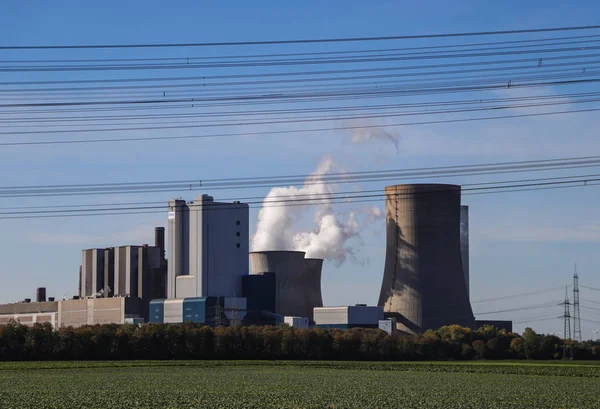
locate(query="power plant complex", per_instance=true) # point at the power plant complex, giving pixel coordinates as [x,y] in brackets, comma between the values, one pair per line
[211,277]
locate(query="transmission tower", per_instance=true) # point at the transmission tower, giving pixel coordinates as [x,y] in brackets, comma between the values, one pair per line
[567,323]
[576,314]
[567,315]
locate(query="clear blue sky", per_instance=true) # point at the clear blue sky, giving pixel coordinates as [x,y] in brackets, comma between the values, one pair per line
[520,242]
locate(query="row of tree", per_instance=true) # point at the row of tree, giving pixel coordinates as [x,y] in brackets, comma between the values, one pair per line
[193,341]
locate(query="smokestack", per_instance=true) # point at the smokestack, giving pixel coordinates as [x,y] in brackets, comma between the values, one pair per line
[40,294]
[159,240]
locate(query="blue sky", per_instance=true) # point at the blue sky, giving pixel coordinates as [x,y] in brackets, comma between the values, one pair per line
[520,242]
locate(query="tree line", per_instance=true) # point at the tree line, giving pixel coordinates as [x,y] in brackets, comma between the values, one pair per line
[194,341]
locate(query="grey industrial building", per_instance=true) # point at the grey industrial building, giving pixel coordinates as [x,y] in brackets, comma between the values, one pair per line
[208,248]
[424,283]
[127,271]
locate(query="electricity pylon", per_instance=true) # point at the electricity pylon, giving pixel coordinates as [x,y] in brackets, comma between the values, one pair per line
[576,314]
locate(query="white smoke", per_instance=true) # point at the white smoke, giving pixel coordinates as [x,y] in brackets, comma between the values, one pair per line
[373,133]
[373,213]
[276,220]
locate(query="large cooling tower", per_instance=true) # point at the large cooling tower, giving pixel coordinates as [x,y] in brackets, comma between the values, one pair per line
[423,279]
[464,244]
[297,280]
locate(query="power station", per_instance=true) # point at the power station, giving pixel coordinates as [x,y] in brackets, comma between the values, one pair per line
[211,277]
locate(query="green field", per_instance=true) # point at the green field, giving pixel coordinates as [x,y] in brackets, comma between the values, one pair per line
[252,384]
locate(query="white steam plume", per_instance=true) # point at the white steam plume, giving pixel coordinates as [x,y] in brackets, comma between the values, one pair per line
[328,240]
[374,134]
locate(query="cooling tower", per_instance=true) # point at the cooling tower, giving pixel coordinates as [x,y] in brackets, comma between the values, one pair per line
[314,267]
[297,280]
[464,244]
[423,279]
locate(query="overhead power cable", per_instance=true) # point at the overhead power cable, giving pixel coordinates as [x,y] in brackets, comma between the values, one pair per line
[333,177]
[527,307]
[590,288]
[299,120]
[73,207]
[186,64]
[289,131]
[300,111]
[293,202]
[499,45]
[302,41]
[506,297]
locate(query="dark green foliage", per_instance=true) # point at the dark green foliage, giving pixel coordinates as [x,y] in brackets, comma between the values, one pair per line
[193,341]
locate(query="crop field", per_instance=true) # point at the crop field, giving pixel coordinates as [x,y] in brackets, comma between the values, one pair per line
[259,384]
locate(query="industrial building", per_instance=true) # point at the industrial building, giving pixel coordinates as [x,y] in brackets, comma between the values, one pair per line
[203,310]
[346,317]
[208,248]
[423,284]
[92,311]
[297,280]
[29,313]
[75,312]
[126,271]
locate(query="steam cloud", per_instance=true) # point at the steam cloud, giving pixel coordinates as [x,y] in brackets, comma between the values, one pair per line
[374,134]
[328,239]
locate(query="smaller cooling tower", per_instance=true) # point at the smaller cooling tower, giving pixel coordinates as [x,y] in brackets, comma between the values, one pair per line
[297,280]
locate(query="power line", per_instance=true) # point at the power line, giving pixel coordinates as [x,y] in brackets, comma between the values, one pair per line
[442,48]
[301,41]
[221,207]
[296,120]
[186,64]
[319,195]
[289,131]
[527,307]
[518,295]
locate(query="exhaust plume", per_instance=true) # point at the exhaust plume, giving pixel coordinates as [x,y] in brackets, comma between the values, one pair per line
[374,134]
[328,239]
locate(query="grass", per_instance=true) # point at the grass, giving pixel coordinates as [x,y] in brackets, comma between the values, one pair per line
[284,384]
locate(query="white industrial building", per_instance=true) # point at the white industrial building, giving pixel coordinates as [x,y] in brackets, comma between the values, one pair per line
[208,248]
[350,316]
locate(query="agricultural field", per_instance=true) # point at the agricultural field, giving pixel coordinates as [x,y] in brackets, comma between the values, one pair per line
[259,384]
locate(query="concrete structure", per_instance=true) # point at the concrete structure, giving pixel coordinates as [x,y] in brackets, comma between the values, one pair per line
[423,284]
[92,272]
[464,244]
[388,326]
[40,294]
[499,324]
[125,271]
[345,317]
[297,280]
[91,311]
[30,313]
[297,322]
[202,310]
[76,312]
[208,248]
